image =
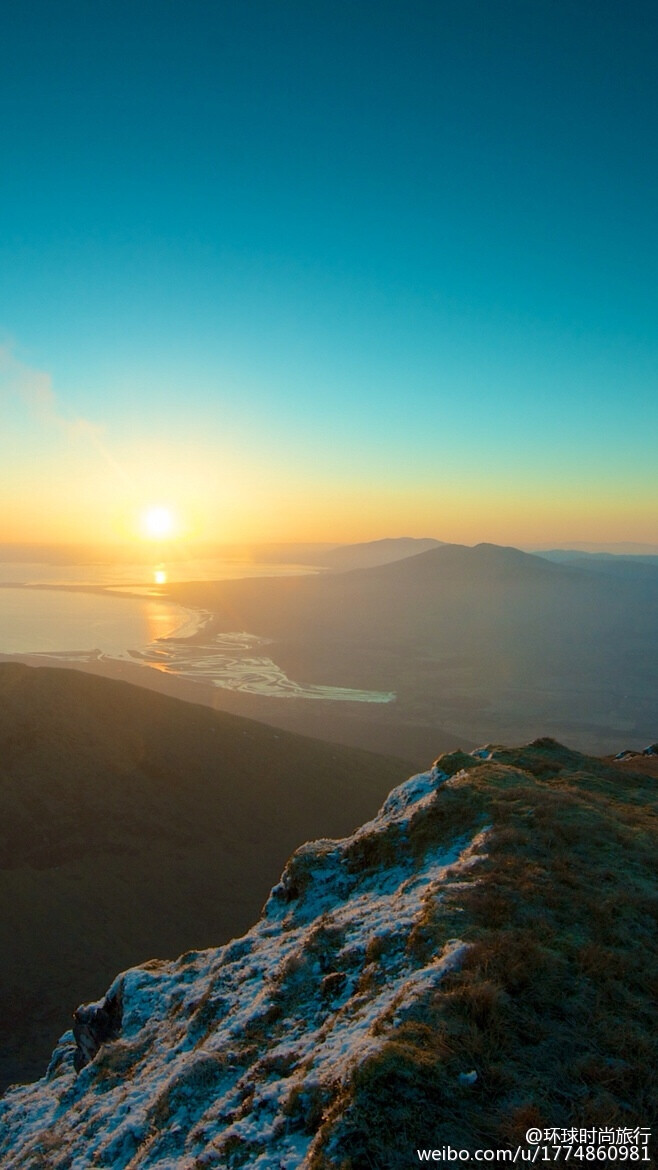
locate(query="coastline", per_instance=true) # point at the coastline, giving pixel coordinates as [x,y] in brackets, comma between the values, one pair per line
[371,725]
[198,648]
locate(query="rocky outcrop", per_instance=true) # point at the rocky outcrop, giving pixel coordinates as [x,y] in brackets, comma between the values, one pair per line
[473,961]
[95,1024]
[629,754]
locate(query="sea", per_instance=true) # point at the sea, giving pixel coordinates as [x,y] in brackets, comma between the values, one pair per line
[89,612]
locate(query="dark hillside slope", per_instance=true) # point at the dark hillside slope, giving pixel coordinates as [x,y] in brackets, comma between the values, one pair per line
[133,825]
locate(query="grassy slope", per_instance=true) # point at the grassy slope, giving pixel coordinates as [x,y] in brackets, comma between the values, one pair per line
[553,1006]
[133,825]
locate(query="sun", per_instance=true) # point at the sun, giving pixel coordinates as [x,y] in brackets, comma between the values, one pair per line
[158,523]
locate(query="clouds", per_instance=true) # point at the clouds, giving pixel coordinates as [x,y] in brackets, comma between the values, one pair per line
[34,389]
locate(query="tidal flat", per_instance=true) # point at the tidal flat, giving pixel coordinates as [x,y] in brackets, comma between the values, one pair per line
[86,614]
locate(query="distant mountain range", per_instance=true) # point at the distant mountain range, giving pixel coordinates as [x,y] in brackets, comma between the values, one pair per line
[469,968]
[134,825]
[632,566]
[483,642]
[611,548]
[374,552]
[476,643]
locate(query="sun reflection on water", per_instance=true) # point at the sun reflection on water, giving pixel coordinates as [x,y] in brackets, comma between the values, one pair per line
[163,620]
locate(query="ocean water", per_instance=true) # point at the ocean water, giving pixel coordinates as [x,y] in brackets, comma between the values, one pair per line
[47,621]
[46,610]
[142,576]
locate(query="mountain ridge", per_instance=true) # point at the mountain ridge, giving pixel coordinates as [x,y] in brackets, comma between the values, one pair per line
[485,558]
[451,972]
[346,557]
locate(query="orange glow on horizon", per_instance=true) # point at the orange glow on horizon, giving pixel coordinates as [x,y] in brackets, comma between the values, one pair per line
[261,510]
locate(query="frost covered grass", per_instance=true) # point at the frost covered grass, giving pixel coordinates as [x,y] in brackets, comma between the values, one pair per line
[474,960]
[552,1004]
[232,1057]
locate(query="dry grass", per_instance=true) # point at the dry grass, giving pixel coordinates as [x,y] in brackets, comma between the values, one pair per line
[553,1004]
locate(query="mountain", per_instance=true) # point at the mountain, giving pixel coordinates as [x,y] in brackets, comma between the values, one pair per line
[641,567]
[134,825]
[483,642]
[375,552]
[626,548]
[473,963]
[474,643]
[481,560]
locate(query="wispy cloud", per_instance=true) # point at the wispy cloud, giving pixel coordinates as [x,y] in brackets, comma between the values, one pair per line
[34,388]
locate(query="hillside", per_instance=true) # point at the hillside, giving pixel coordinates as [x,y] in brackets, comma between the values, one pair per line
[374,552]
[134,825]
[483,642]
[474,961]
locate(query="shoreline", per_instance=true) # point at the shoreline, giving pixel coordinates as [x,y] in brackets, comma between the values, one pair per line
[197,649]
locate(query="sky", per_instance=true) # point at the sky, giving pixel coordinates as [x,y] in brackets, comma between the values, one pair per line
[329,269]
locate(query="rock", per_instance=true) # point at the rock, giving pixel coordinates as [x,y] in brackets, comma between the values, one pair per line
[94,1024]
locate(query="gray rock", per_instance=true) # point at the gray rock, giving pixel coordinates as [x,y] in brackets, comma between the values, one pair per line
[94,1024]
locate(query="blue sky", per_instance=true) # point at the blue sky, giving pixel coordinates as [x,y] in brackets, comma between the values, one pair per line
[397,259]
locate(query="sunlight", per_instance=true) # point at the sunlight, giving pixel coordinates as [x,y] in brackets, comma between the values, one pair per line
[158,523]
